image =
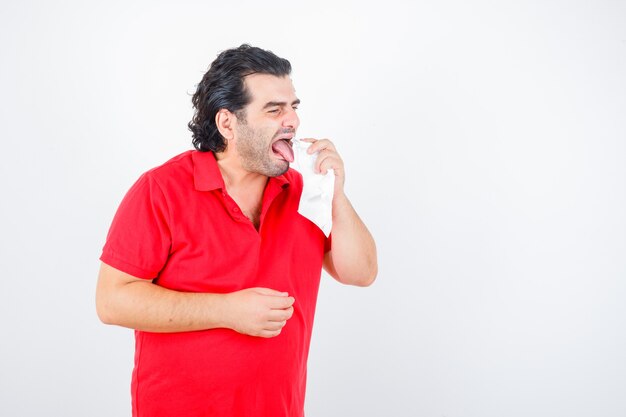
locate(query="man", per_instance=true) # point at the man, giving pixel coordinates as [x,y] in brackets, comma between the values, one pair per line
[209,261]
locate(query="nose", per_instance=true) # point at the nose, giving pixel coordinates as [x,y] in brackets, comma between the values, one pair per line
[291,120]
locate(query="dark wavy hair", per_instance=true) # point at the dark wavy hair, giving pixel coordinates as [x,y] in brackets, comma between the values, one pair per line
[222,87]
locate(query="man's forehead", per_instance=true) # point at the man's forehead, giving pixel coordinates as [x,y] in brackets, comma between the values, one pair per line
[265,87]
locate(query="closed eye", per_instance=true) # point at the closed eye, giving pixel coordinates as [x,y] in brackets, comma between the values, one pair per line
[275,107]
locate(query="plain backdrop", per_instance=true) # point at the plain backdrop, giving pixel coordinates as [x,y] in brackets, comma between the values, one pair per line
[485,147]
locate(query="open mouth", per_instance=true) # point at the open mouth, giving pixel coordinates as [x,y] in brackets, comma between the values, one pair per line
[283,149]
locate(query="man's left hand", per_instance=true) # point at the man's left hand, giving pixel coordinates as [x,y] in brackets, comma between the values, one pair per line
[328,158]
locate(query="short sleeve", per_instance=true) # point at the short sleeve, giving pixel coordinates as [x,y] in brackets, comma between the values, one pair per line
[139,239]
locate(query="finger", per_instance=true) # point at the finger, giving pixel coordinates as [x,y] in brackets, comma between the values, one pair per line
[269,291]
[280,315]
[281,303]
[330,164]
[310,140]
[269,333]
[274,325]
[328,161]
[320,145]
[325,153]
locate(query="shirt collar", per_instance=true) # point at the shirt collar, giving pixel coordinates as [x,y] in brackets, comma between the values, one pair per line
[207,175]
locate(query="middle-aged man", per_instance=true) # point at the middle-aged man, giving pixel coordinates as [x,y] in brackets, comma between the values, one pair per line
[209,261]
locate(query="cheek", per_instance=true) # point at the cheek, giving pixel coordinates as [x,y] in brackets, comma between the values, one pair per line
[268,134]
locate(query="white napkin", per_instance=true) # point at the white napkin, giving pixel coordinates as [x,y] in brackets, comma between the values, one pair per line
[317,192]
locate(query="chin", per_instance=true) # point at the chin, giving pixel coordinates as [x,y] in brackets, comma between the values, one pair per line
[279,169]
[271,168]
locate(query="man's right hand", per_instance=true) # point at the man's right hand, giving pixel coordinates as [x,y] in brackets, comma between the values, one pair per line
[260,312]
[139,304]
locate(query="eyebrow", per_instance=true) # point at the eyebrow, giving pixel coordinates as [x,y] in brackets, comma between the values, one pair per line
[280,103]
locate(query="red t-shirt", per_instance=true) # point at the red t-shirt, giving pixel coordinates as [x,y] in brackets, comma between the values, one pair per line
[178,226]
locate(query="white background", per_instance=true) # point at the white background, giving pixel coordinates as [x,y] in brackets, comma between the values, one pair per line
[485,147]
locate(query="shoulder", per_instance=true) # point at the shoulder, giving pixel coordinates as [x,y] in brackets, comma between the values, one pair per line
[176,170]
[153,185]
[178,164]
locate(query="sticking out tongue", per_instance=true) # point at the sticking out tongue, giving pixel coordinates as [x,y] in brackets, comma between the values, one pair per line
[282,148]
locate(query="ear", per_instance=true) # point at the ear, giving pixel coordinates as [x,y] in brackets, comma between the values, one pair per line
[224,122]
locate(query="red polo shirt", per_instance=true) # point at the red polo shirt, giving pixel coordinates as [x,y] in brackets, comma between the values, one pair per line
[178,226]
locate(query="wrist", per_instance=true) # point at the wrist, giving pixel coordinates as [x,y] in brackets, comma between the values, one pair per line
[220,313]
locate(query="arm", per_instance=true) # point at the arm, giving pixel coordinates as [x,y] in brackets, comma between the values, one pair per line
[352,259]
[128,301]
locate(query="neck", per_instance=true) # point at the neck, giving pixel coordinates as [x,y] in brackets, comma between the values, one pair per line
[236,177]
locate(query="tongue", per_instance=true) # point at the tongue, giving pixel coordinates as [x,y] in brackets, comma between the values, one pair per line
[282,148]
